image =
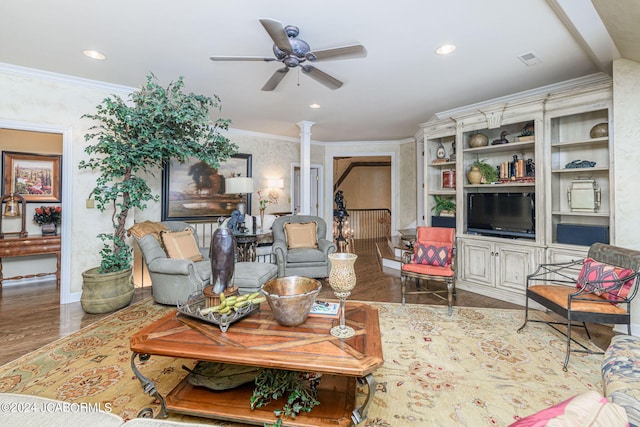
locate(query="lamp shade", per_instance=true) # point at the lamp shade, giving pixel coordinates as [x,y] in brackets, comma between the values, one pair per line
[238,185]
[275,183]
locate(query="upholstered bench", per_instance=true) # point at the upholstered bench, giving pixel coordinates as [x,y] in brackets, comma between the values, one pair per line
[250,276]
[621,375]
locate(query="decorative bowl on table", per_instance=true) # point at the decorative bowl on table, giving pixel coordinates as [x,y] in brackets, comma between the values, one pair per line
[291,298]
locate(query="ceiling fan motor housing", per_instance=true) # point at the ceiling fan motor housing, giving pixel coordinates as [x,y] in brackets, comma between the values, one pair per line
[299,52]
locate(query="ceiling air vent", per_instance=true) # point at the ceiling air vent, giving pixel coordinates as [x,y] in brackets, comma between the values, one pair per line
[529,59]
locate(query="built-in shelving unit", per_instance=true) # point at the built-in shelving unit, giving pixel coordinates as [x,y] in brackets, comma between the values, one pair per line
[435,183]
[561,120]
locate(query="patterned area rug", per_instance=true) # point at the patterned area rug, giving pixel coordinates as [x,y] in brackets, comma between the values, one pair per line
[470,369]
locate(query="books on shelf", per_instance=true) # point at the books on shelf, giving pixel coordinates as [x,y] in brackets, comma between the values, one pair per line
[323,308]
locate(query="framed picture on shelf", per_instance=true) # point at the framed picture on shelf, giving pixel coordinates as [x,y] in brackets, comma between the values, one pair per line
[36,177]
[194,191]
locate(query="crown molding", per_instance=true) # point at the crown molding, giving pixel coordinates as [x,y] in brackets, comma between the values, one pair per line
[519,96]
[63,78]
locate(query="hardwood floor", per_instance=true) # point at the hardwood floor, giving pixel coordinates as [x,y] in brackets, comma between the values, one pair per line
[31,316]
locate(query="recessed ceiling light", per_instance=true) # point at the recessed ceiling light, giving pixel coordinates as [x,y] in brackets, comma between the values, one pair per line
[94,54]
[314,106]
[445,49]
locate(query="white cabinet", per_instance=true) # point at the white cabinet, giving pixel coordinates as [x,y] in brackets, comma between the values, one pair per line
[500,267]
[557,255]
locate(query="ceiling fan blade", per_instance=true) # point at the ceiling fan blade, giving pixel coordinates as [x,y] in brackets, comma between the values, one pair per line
[344,52]
[241,58]
[321,77]
[277,33]
[275,79]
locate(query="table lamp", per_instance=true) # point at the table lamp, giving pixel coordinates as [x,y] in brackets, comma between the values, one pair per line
[239,185]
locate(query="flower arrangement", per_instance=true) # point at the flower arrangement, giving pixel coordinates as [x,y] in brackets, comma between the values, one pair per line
[263,202]
[48,215]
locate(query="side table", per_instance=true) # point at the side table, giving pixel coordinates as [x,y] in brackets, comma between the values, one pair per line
[26,246]
[246,244]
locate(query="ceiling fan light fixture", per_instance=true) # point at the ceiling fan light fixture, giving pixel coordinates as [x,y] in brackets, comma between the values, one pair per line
[446,49]
[94,54]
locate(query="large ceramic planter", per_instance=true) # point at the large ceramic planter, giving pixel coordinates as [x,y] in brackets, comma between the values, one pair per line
[104,293]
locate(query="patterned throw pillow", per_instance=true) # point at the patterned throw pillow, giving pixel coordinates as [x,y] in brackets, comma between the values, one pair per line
[437,256]
[594,271]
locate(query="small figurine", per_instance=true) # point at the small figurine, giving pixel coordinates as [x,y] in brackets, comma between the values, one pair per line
[503,138]
[580,164]
[452,156]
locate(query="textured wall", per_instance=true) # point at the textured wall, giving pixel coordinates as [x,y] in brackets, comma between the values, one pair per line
[626,111]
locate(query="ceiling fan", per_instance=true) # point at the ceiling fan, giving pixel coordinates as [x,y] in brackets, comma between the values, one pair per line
[294,52]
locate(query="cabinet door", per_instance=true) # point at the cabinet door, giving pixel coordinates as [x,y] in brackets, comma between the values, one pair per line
[557,255]
[476,261]
[513,264]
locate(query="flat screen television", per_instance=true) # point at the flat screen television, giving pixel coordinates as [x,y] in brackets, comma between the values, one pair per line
[502,214]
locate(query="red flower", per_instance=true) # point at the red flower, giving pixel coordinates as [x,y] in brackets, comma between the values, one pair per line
[48,214]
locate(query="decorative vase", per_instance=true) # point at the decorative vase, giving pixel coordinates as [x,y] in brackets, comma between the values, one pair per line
[49,229]
[342,279]
[104,293]
[599,131]
[478,140]
[262,219]
[474,175]
[222,253]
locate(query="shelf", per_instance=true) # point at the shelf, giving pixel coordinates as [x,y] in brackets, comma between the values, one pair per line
[580,170]
[571,213]
[591,141]
[515,184]
[450,164]
[443,192]
[501,148]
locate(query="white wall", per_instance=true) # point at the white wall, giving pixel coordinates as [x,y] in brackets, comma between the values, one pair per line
[626,127]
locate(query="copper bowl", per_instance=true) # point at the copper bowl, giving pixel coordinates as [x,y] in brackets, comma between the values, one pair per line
[291,298]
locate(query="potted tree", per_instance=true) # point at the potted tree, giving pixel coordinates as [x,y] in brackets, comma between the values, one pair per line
[141,136]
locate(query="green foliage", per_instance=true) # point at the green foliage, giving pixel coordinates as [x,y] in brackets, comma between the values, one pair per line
[443,204]
[489,172]
[271,384]
[142,135]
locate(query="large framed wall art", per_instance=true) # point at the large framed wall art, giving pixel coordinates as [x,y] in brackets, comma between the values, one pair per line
[194,191]
[36,177]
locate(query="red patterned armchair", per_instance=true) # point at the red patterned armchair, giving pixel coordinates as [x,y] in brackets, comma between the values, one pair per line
[432,259]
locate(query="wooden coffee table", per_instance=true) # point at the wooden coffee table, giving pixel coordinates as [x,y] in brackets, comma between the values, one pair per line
[258,340]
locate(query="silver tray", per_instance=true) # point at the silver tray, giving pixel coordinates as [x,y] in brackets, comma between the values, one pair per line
[196,302]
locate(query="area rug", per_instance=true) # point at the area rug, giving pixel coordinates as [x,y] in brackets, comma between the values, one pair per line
[468,369]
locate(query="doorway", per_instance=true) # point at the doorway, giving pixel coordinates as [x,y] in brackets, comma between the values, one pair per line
[64,134]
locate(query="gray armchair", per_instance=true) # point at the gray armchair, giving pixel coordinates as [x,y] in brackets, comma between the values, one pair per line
[307,262]
[173,280]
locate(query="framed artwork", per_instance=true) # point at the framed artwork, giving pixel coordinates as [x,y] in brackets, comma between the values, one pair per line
[36,177]
[194,191]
